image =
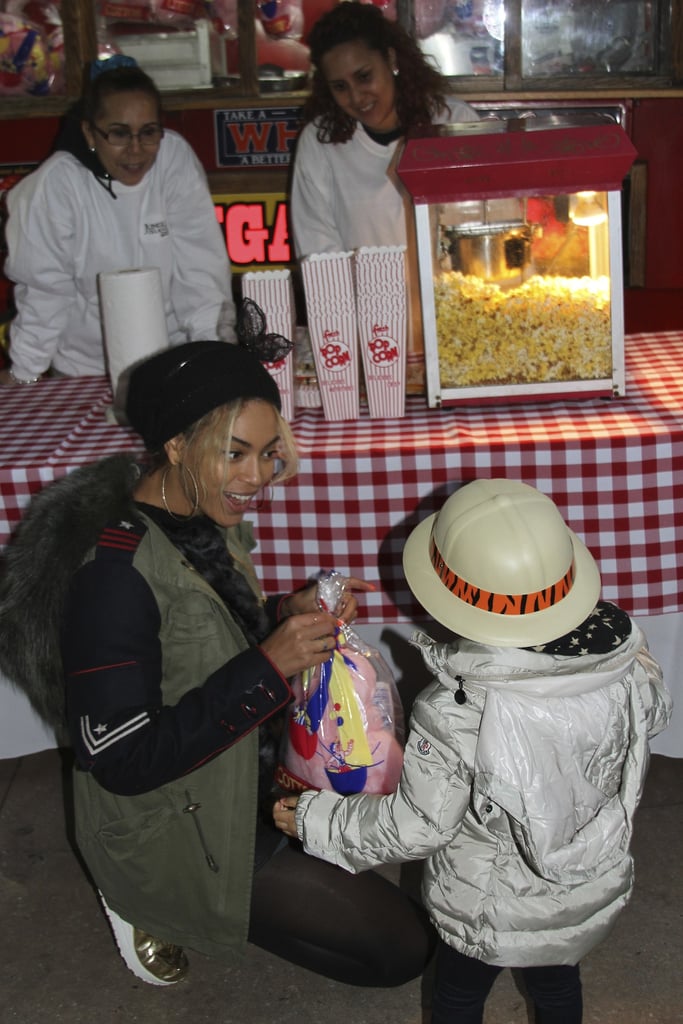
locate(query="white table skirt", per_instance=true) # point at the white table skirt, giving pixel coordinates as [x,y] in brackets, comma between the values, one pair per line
[22,732]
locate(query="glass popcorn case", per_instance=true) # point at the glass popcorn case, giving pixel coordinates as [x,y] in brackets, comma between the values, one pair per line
[518,229]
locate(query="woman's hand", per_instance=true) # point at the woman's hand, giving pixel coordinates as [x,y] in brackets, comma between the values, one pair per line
[5,380]
[302,601]
[301,642]
[283,815]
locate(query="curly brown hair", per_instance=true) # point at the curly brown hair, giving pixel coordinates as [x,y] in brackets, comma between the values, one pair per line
[420,89]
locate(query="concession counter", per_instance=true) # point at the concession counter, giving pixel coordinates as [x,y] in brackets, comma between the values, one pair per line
[614,467]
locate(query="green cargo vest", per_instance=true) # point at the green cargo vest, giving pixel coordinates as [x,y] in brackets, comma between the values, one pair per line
[184,875]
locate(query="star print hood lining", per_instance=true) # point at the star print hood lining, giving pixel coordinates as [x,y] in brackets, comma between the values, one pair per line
[533,671]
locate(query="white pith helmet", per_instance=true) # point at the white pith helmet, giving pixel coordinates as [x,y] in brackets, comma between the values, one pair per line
[498,564]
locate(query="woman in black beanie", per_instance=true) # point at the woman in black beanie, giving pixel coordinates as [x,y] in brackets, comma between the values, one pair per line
[176,671]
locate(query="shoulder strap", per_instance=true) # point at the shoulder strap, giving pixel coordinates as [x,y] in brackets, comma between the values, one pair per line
[120,540]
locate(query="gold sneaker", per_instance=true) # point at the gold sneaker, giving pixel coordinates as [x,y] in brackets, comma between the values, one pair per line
[153,960]
[165,961]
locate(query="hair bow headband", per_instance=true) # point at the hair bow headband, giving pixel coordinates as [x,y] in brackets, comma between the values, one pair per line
[251,333]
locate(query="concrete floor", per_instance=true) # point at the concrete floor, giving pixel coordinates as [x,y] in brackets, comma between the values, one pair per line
[58,962]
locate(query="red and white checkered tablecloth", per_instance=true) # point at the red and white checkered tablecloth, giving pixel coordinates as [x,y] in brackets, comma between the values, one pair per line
[48,429]
[614,467]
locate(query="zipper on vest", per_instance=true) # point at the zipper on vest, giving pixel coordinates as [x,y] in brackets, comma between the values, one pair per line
[192,808]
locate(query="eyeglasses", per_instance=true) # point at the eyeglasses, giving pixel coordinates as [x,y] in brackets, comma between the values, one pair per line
[149,137]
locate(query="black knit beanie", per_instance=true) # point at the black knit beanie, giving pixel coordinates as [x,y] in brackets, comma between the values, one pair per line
[173,389]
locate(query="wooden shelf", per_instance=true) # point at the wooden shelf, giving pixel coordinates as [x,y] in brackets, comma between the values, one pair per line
[81,47]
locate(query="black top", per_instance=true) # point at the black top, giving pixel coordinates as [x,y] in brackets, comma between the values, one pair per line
[384,138]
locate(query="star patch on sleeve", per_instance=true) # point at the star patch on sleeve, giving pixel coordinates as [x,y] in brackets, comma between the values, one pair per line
[98,737]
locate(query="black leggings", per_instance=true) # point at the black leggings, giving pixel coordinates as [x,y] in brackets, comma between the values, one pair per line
[462,985]
[358,929]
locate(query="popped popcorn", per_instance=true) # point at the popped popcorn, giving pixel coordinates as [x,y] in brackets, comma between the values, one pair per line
[547,329]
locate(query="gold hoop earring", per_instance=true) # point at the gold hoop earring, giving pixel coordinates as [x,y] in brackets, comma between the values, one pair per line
[174,515]
[163,496]
[195,503]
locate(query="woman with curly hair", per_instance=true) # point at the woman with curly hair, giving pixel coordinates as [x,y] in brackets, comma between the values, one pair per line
[371,85]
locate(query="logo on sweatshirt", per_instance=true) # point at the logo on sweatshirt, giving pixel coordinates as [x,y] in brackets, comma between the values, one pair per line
[423,746]
[159,228]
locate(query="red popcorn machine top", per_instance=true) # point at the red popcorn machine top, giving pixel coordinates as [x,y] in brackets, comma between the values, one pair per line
[518,226]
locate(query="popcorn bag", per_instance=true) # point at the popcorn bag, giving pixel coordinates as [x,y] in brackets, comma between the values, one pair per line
[272,291]
[382,328]
[306,390]
[331,308]
[345,727]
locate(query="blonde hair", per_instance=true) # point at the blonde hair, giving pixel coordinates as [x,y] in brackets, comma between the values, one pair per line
[213,434]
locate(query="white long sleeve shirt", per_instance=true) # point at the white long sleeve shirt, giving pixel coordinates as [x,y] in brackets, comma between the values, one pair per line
[346,195]
[64,228]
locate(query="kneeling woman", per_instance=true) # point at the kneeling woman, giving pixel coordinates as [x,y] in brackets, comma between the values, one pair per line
[175,668]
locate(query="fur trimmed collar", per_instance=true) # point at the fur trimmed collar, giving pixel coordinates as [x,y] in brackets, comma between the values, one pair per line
[59,527]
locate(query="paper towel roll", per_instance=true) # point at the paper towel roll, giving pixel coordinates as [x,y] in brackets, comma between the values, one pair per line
[133,317]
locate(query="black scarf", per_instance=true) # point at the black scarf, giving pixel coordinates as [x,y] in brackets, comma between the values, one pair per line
[201,542]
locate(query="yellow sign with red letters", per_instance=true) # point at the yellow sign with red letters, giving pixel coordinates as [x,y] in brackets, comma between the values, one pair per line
[256,230]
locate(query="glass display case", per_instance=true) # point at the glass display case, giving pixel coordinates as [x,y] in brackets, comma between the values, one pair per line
[508,41]
[581,37]
[496,45]
[518,228]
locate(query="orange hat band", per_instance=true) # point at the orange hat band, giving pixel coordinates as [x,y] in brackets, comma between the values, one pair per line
[500,604]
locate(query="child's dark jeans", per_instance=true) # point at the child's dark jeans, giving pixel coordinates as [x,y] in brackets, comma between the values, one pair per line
[462,985]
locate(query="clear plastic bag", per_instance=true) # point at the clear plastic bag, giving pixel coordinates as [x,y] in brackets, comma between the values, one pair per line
[345,728]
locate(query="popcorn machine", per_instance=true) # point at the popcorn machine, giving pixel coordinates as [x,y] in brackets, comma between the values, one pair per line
[518,226]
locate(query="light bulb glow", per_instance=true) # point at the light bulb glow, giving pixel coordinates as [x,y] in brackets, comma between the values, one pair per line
[586,209]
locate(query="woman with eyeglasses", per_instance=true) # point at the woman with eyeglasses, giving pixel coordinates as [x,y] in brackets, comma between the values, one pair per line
[118,192]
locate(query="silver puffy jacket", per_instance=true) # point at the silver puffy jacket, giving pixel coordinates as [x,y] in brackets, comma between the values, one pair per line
[520,800]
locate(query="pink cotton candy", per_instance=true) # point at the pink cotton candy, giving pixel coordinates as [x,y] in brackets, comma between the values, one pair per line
[354,743]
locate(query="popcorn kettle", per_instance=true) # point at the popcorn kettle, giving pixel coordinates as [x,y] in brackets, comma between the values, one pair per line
[490,240]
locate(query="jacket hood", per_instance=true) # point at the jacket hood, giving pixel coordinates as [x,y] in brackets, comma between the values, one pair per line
[521,671]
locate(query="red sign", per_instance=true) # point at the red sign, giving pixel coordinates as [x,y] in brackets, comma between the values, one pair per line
[256,230]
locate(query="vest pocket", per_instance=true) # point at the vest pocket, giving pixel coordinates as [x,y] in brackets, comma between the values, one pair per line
[193,620]
[125,837]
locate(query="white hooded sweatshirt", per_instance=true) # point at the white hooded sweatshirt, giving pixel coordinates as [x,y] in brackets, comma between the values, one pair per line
[64,228]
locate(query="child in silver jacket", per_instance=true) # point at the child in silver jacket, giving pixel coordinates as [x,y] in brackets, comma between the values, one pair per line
[526,756]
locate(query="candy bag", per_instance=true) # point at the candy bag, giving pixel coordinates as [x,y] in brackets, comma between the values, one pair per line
[24,57]
[345,727]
